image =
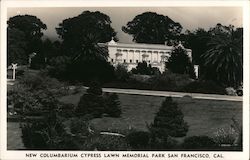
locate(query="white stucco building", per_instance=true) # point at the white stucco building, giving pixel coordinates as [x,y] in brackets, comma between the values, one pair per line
[131,54]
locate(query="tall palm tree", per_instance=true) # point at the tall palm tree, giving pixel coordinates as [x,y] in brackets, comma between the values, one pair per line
[224,56]
[90,49]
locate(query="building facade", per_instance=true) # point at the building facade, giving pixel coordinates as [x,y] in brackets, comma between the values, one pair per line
[131,54]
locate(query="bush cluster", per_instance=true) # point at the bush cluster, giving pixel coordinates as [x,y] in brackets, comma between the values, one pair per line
[208,87]
[144,69]
[199,143]
[96,104]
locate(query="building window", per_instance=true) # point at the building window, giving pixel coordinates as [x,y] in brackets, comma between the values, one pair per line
[149,61]
[124,60]
[137,61]
[130,60]
[112,60]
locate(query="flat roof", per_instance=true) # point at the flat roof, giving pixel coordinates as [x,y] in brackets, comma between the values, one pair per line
[139,45]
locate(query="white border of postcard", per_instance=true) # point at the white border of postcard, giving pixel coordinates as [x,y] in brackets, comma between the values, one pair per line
[21,155]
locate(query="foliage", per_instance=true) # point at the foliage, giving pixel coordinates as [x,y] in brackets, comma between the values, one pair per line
[169,81]
[105,143]
[23,100]
[58,67]
[224,58]
[30,25]
[208,87]
[138,140]
[225,136]
[168,121]
[199,143]
[79,126]
[121,73]
[95,104]
[32,136]
[32,28]
[144,69]
[164,143]
[179,62]
[41,81]
[73,31]
[47,134]
[91,70]
[150,27]
[16,47]
[92,102]
[197,41]
[112,105]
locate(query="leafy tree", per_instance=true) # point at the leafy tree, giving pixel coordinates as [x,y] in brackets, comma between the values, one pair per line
[81,35]
[75,31]
[169,121]
[197,41]
[179,62]
[16,47]
[224,57]
[150,27]
[32,27]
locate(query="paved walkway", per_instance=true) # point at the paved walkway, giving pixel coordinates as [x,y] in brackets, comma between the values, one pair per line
[174,94]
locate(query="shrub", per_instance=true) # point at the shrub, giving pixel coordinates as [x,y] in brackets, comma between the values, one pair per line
[79,126]
[144,69]
[199,143]
[121,73]
[92,102]
[42,81]
[32,136]
[59,67]
[66,110]
[209,87]
[112,105]
[106,143]
[165,143]
[27,102]
[225,136]
[169,81]
[47,133]
[138,140]
[169,121]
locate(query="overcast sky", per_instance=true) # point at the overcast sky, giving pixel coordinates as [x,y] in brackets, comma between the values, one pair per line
[190,18]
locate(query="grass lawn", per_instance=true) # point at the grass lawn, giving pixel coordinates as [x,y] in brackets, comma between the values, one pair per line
[204,117]
[14,136]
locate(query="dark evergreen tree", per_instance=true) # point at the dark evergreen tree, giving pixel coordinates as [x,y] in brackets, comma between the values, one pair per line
[112,105]
[169,121]
[179,62]
[92,102]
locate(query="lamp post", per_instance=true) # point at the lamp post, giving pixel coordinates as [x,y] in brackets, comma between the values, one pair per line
[14,67]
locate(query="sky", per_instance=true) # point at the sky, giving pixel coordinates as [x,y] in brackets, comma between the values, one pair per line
[190,18]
